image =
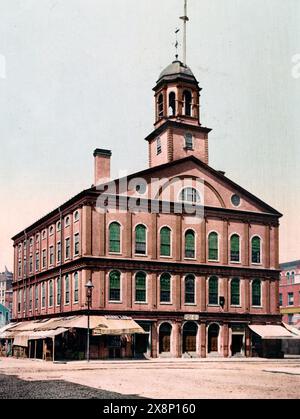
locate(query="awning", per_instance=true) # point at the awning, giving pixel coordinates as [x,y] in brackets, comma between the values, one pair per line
[272,332]
[292,329]
[117,327]
[22,338]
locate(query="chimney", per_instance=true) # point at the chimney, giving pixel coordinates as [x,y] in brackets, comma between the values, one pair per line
[102,166]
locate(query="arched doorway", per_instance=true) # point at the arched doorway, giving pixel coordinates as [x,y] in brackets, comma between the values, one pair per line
[165,338]
[213,338]
[189,337]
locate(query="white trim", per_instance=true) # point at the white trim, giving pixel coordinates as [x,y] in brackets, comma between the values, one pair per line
[171,291]
[121,287]
[65,277]
[65,248]
[171,242]
[207,246]
[134,288]
[73,288]
[74,244]
[229,302]
[195,290]
[196,238]
[229,248]
[261,250]
[121,237]
[134,241]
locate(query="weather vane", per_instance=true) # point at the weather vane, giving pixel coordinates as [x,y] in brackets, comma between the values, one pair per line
[177,43]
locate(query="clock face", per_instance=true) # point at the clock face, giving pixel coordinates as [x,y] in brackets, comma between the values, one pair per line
[235,200]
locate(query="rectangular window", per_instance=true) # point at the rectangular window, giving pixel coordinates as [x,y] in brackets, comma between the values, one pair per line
[280,299]
[51,256]
[140,288]
[76,244]
[50,293]
[58,252]
[67,290]
[37,261]
[76,288]
[36,297]
[290,298]
[19,301]
[114,287]
[25,267]
[44,259]
[30,298]
[58,292]
[158,146]
[19,269]
[189,141]
[30,264]
[68,254]
[43,295]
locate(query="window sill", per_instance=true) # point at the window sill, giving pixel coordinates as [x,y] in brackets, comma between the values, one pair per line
[213,260]
[143,303]
[213,305]
[194,259]
[190,304]
[235,306]
[165,304]
[235,262]
[256,306]
[166,257]
[141,256]
[115,302]
[115,253]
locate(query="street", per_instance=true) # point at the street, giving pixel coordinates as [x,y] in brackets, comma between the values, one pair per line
[158,379]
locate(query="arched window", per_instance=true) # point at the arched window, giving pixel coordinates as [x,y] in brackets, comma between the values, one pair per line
[115,286]
[165,288]
[190,195]
[213,246]
[255,249]
[235,248]
[114,238]
[165,241]
[58,291]
[140,240]
[190,244]
[287,278]
[256,292]
[160,106]
[140,287]
[213,290]
[292,277]
[76,288]
[172,104]
[187,99]
[189,289]
[235,292]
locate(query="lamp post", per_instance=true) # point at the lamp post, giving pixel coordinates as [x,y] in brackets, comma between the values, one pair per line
[89,290]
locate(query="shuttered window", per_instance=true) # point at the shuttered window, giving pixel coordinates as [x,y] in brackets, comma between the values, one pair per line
[256,292]
[213,291]
[165,288]
[165,241]
[235,292]
[115,286]
[190,244]
[114,238]
[213,250]
[235,248]
[255,246]
[140,240]
[140,287]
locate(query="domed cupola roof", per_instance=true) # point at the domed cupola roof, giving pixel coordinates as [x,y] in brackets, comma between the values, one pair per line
[177,70]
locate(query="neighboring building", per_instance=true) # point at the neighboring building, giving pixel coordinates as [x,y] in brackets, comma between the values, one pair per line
[289,289]
[4,316]
[178,249]
[6,291]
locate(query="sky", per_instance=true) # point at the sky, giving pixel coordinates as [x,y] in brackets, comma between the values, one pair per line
[78,74]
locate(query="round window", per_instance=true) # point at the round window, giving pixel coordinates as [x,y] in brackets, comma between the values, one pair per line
[236,200]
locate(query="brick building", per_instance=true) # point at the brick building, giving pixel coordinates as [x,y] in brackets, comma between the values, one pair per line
[187,253]
[6,292]
[289,297]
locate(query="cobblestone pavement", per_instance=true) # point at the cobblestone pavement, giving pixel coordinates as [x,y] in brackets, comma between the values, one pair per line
[160,378]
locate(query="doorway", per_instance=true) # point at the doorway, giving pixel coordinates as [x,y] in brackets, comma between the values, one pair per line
[213,338]
[189,337]
[237,345]
[165,338]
